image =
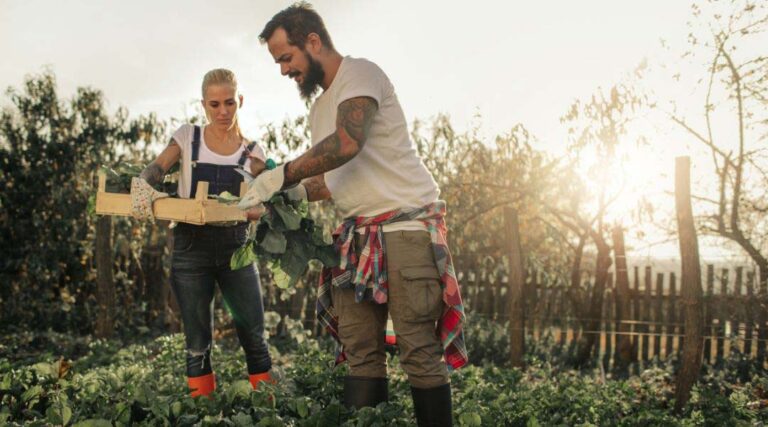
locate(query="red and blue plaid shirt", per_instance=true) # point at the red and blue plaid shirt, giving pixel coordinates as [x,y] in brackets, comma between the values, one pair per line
[367,273]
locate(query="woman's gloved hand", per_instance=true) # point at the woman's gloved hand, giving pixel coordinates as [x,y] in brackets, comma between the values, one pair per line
[142,198]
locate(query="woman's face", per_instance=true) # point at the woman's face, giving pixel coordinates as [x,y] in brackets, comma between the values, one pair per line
[221,103]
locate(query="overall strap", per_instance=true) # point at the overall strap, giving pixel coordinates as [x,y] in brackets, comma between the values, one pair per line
[244,156]
[196,145]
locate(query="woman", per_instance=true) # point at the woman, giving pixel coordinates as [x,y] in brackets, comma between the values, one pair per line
[202,253]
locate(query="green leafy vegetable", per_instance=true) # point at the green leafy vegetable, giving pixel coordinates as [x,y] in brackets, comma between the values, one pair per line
[274,242]
[242,257]
[227,198]
[287,238]
[289,214]
[119,178]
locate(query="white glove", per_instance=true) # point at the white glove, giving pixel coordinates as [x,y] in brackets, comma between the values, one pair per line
[263,187]
[297,192]
[142,198]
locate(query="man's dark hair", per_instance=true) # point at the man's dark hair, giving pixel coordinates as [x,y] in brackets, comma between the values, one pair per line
[298,20]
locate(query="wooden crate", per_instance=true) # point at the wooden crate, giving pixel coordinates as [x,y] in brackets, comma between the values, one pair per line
[199,210]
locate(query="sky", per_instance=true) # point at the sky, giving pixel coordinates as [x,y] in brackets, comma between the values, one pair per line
[487,63]
[507,61]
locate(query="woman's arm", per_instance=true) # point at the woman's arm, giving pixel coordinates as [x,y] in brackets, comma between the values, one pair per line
[155,171]
[257,166]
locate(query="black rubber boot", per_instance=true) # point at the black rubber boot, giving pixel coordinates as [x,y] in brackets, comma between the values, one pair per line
[360,392]
[433,406]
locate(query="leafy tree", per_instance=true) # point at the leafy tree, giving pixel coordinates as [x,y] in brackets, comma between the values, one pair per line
[477,179]
[50,151]
[597,127]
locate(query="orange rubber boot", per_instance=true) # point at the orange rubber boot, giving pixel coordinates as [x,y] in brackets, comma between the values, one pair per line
[203,385]
[255,379]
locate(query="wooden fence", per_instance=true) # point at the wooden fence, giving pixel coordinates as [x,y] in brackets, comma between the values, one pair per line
[731,311]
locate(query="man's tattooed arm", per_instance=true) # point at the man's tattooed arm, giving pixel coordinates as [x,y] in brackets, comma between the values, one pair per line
[353,122]
[155,171]
[316,189]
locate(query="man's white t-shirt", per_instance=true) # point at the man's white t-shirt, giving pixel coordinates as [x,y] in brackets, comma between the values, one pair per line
[183,136]
[387,174]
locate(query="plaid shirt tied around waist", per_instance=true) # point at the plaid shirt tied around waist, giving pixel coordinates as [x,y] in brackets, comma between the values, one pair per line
[367,274]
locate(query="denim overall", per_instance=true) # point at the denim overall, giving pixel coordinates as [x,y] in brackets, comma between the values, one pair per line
[201,256]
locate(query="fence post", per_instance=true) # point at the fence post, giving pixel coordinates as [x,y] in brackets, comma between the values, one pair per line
[749,329]
[691,284]
[516,284]
[658,315]
[671,319]
[608,322]
[739,304]
[105,281]
[761,302]
[172,310]
[708,306]
[157,286]
[595,306]
[721,312]
[624,349]
[636,314]
[647,312]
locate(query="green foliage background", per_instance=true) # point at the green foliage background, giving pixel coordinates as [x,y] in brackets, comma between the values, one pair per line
[50,152]
[143,384]
[53,372]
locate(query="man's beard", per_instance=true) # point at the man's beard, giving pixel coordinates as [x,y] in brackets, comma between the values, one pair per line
[312,80]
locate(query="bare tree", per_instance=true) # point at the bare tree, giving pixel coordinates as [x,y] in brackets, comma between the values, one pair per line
[733,129]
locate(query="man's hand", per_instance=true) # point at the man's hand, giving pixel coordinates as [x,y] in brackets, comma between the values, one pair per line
[263,187]
[142,198]
[254,213]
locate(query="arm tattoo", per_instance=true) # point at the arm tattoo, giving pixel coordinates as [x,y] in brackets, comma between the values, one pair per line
[354,118]
[353,123]
[257,166]
[153,174]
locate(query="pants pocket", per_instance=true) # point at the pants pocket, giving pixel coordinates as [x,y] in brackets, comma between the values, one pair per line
[424,293]
[182,242]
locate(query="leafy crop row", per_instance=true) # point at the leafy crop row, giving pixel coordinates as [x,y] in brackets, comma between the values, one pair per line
[145,385]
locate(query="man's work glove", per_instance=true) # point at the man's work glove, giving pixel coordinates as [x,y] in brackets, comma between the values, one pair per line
[263,187]
[142,197]
[297,192]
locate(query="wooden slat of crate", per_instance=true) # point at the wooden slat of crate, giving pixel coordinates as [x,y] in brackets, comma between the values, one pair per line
[199,210]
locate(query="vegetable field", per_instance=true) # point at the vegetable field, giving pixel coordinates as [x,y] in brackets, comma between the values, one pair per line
[109,383]
[613,273]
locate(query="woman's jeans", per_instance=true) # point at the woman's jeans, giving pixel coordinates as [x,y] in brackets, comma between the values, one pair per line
[201,256]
